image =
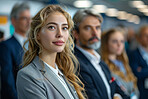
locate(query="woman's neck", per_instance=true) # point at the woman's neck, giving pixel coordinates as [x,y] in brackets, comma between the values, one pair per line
[48,58]
[112,57]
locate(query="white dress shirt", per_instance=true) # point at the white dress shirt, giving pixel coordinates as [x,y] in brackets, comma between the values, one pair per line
[20,38]
[57,72]
[95,60]
[143,53]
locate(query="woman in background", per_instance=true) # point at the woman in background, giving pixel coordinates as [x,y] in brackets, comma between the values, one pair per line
[49,71]
[114,55]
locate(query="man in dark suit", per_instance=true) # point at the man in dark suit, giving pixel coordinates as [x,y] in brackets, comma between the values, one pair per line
[138,59]
[93,72]
[11,50]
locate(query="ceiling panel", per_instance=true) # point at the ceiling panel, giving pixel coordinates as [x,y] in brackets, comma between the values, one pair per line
[123,5]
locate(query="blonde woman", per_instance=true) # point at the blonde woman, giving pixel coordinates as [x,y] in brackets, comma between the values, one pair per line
[114,55]
[49,71]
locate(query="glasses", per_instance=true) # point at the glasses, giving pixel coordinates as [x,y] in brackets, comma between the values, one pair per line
[25,18]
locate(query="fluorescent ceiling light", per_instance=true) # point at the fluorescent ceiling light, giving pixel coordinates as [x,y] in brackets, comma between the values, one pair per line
[146,14]
[122,15]
[112,12]
[83,3]
[129,15]
[136,3]
[141,6]
[100,8]
[143,10]
[134,18]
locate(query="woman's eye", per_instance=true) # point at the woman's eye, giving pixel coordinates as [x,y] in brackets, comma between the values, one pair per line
[114,41]
[65,28]
[51,27]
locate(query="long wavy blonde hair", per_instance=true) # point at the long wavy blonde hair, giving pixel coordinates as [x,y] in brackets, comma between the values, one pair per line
[65,60]
[123,57]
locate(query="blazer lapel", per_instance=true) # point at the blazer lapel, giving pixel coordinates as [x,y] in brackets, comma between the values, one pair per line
[51,77]
[71,88]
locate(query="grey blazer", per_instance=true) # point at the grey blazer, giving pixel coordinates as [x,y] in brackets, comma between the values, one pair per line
[37,81]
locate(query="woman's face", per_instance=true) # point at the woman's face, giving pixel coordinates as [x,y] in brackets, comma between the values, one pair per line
[54,34]
[116,43]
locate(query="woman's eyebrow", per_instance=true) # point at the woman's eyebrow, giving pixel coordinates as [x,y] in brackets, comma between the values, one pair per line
[55,23]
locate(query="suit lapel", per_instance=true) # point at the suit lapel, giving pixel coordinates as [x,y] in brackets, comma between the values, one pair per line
[141,59]
[18,51]
[51,77]
[107,74]
[98,82]
[101,84]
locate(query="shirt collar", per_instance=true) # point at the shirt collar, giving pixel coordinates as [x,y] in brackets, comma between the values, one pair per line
[142,50]
[55,70]
[20,38]
[143,53]
[89,56]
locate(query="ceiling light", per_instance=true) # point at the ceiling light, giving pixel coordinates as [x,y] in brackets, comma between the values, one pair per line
[141,6]
[122,15]
[134,18]
[100,8]
[112,12]
[83,3]
[146,13]
[136,3]
[143,10]
[129,15]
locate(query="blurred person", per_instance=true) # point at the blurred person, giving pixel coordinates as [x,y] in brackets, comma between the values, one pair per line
[48,67]
[1,36]
[131,39]
[94,73]
[138,59]
[1,39]
[11,50]
[114,55]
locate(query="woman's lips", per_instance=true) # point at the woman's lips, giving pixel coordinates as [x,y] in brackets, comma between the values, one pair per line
[59,43]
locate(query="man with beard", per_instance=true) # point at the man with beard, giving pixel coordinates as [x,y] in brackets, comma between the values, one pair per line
[11,50]
[93,72]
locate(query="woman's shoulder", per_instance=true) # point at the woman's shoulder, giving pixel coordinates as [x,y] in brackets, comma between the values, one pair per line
[29,77]
[29,71]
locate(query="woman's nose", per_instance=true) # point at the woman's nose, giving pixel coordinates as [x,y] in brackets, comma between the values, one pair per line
[59,33]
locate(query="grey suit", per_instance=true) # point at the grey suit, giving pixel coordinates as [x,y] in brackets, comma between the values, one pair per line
[37,81]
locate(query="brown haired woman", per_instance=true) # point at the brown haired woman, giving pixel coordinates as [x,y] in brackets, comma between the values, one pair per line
[114,55]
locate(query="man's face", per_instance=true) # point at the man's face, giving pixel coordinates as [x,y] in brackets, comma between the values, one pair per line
[89,32]
[22,23]
[144,37]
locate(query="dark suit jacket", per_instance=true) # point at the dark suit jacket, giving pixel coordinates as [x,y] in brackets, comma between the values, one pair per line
[136,60]
[94,85]
[10,59]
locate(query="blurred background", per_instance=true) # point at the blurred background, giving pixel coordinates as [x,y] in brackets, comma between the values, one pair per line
[129,14]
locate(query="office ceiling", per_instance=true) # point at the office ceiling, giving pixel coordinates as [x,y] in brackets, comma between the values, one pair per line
[121,5]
